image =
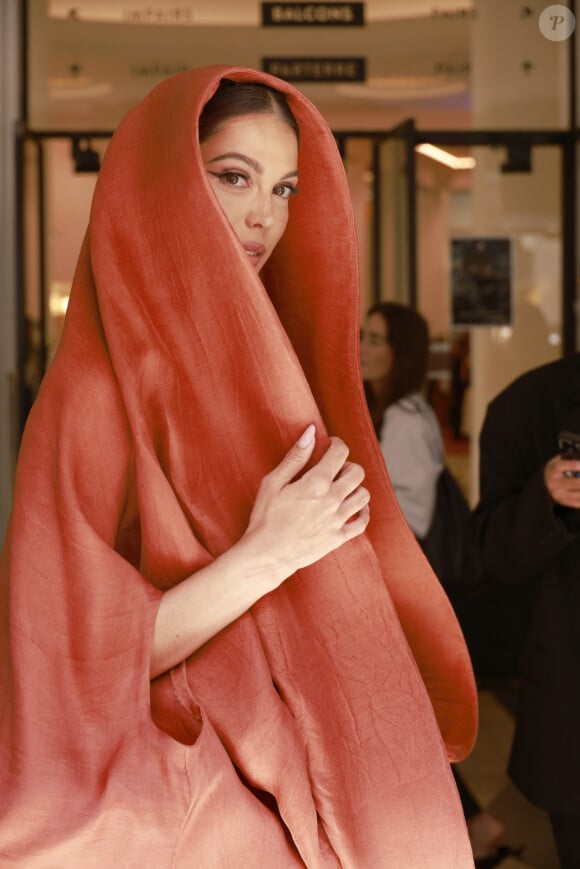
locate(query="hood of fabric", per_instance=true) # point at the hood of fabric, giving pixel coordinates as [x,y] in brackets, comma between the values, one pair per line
[182,378]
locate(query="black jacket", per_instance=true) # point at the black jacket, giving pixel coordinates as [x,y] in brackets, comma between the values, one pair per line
[522,536]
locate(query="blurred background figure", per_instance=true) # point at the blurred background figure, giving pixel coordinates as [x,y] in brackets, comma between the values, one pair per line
[527,527]
[459,382]
[394,354]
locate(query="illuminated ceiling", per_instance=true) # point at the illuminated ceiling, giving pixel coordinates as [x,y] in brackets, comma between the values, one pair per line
[98,61]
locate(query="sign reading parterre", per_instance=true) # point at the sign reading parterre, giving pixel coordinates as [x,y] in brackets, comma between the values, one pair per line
[304,69]
[312,14]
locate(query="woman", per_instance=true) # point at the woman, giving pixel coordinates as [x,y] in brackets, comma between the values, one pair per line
[394,353]
[165,527]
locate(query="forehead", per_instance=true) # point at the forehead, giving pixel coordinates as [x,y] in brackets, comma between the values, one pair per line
[266,138]
[376,323]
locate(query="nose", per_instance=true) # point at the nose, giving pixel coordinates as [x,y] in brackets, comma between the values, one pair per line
[260,213]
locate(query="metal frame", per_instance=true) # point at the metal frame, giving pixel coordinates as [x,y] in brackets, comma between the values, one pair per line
[566,140]
[407,133]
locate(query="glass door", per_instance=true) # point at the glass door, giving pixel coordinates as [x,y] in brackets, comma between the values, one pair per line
[476,230]
[493,270]
[58,175]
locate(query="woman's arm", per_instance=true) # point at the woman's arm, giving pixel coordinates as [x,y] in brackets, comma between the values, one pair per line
[292,525]
[413,451]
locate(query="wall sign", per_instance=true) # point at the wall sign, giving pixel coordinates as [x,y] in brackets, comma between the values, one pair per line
[123,11]
[312,14]
[311,69]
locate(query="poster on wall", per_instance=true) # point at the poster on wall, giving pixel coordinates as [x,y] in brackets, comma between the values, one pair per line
[481,282]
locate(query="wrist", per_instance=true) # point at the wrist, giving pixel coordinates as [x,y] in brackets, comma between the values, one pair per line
[265,567]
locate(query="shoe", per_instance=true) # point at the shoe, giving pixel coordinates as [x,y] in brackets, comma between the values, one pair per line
[495,859]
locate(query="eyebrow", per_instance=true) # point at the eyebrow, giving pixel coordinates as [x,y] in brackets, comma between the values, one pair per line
[257,167]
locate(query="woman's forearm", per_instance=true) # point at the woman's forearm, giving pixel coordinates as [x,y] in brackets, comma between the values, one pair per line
[197,609]
[293,523]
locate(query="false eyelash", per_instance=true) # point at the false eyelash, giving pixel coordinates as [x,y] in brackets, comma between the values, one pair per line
[227,172]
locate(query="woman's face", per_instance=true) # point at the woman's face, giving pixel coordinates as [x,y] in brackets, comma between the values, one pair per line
[251,162]
[376,354]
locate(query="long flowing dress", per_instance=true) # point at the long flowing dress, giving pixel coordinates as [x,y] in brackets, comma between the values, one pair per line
[317,729]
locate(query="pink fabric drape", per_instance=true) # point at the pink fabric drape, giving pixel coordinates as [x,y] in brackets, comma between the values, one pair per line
[315,730]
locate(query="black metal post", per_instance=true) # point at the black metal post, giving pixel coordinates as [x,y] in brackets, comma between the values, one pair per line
[411,212]
[21,341]
[569,246]
[42,258]
[377,260]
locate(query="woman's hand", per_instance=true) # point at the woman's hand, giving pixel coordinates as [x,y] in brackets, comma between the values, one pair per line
[300,520]
[293,523]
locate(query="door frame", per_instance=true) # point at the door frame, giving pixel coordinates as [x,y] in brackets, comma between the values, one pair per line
[565,140]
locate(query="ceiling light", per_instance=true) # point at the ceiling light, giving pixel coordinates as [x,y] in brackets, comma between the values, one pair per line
[445,157]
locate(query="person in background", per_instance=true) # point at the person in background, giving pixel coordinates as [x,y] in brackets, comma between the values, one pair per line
[527,530]
[394,355]
[208,658]
[460,377]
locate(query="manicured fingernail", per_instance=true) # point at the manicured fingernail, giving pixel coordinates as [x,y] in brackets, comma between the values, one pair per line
[306,438]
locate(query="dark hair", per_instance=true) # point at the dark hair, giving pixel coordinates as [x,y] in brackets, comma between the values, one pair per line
[408,337]
[233,99]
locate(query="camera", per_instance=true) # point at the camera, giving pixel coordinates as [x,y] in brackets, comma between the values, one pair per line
[569,447]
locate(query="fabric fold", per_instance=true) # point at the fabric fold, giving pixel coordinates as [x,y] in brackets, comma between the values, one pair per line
[181,380]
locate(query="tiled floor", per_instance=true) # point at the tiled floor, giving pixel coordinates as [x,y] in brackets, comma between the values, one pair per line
[485,769]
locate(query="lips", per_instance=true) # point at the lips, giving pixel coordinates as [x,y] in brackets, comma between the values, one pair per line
[254,250]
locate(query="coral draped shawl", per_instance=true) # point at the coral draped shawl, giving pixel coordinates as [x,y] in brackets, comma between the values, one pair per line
[314,731]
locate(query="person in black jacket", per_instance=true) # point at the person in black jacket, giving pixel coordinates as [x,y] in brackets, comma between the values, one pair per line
[527,529]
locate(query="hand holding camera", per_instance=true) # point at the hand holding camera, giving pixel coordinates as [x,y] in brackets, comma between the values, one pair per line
[569,446]
[562,473]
